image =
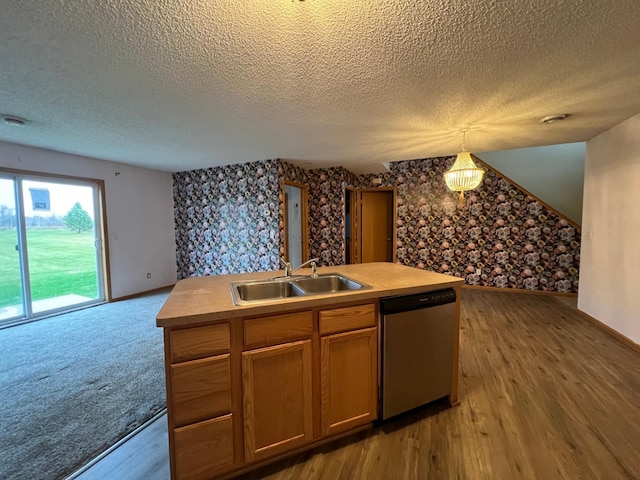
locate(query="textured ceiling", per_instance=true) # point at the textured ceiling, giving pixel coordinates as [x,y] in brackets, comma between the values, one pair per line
[177,85]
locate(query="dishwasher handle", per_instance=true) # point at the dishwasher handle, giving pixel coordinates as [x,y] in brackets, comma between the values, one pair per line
[406,303]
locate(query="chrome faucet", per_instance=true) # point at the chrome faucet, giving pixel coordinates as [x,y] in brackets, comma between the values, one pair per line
[288,270]
[287,267]
[313,263]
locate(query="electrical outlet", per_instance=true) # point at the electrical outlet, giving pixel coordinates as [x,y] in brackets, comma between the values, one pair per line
[148,275]
[478,271]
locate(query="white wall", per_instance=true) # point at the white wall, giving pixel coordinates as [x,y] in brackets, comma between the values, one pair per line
[610,253]
[139,205]
[552,173]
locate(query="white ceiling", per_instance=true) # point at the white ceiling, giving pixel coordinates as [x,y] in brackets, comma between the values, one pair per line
[178,85]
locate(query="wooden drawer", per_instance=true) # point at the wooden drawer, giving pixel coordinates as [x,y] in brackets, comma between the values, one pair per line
[204,449]
[201,389]
[347,318]
[199,342]
[278,329]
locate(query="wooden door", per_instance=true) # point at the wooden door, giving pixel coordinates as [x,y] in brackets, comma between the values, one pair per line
[278,413]
[349,377]
[376,220]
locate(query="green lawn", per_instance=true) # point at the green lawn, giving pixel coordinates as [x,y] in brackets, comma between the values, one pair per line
[60,262]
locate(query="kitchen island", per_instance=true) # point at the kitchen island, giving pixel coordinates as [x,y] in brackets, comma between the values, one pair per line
[250,384]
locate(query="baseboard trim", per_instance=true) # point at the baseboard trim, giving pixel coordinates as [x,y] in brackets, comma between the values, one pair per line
[141,294]
[113,447]
[611,331]
[519,290]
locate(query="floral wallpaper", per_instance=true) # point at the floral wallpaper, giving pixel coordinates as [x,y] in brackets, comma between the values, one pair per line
[326,210]
[230,220]
[326,216]
[226,219]
[512,239]
[287,171]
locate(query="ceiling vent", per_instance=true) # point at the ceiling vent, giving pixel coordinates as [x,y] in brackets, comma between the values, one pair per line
[13,120]
[554,118]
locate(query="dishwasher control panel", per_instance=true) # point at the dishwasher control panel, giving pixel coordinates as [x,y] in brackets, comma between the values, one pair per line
[405,303]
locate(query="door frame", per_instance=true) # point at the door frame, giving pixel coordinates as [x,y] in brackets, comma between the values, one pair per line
[102,232]
[304,218]
[356,256]
[354,223]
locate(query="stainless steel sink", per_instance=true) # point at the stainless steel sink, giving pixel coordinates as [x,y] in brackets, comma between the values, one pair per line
[328,283]
[252,292]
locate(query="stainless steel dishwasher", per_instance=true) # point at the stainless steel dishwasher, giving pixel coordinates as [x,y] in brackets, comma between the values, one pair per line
[417,350]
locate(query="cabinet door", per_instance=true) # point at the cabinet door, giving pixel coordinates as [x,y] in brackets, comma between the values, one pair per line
[277,399]
[349,377]
[204,449]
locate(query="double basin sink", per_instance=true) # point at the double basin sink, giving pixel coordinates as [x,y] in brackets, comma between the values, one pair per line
[251,292]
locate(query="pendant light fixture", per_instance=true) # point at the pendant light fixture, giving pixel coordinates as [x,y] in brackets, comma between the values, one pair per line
[464,174]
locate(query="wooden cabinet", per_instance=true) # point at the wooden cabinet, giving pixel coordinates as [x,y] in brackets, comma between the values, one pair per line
[275,329]
[349,380]
[204,449]
[349,368]
[278,412]
[347,318]
[199,401]
[201,389]
[250,389]
[198,342]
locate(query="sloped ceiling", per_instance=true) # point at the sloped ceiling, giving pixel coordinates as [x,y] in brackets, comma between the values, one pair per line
[178,85]
[554,174]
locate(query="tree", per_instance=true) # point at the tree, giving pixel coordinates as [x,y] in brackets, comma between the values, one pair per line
[6,216]
[78,219]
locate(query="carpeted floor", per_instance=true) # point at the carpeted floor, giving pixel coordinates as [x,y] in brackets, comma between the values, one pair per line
[74,384]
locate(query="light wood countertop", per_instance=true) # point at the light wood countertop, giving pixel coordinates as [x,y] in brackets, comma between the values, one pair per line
[208,299]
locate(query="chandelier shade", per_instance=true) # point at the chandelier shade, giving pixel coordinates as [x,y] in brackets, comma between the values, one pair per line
[463,175]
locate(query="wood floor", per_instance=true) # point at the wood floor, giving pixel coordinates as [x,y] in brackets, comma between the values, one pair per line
[544,394]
